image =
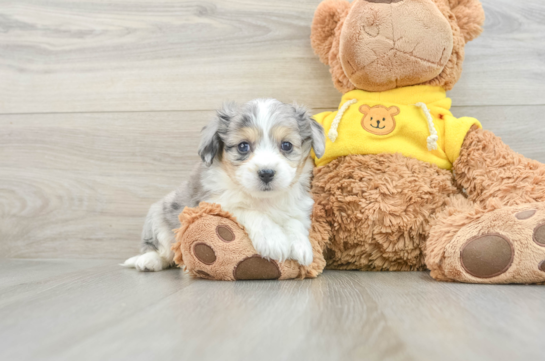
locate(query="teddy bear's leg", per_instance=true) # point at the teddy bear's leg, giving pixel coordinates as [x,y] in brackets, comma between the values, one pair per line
[496,244]
[497,234]
[212,245]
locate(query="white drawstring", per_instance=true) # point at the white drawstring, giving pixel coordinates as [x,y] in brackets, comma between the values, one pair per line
[434,137]
[333,134]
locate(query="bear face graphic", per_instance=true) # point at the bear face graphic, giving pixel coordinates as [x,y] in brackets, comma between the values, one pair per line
[379,120]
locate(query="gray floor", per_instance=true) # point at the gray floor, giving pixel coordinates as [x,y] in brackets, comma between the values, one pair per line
[95,310]
[101,103]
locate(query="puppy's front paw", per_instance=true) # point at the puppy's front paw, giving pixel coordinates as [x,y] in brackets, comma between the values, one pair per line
[271,243]
[150,262]
[301,250]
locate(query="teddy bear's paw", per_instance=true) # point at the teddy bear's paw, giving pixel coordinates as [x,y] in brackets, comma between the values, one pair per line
[228,254]
[216,247]
[252,267]
[213,247]
[503,246]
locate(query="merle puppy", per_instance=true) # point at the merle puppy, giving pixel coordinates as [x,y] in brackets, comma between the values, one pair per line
[256,164]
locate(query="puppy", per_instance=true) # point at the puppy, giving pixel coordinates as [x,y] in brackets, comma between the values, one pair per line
[256,164]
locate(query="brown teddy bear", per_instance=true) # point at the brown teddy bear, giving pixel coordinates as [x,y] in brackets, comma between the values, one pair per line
[410,187]
[403,184]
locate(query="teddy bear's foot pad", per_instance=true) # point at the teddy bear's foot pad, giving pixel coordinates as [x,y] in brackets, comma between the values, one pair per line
[257,268]
[539,235]
[503,246]
[204,253]
[487,256]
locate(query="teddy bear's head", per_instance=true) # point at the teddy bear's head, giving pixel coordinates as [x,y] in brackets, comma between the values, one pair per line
[378,45]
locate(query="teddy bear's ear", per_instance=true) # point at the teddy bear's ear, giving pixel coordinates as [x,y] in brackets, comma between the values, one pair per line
[326,18]
[470,17]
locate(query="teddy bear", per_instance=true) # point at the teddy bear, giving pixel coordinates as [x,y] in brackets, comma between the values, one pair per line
[403,184]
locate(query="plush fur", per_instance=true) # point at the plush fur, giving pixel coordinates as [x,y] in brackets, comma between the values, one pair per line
[389,212]
[256,165]
[379,209]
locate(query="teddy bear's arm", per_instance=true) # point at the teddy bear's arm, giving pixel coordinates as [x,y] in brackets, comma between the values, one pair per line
[456,131]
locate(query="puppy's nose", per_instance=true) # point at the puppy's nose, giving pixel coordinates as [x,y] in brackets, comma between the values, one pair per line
[266,175]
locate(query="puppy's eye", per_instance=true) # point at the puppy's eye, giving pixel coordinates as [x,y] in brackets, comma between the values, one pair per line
[244,147]
[287,146]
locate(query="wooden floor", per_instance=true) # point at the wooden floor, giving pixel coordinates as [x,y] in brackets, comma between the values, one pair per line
[94,310]
[101,103]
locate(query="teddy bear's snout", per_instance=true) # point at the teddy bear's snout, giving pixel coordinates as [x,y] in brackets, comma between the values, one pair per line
[391,43]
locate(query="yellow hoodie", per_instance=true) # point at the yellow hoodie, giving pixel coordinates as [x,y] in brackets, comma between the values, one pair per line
[414,121]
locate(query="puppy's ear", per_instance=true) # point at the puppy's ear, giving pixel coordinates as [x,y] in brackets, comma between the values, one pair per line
[211,140]
[328,14]
[311,129]
[470,17]
[318,138]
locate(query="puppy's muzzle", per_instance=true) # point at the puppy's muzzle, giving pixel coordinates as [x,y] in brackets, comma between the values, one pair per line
[266,175]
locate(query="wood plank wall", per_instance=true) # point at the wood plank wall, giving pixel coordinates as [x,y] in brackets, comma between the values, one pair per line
[101,102]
